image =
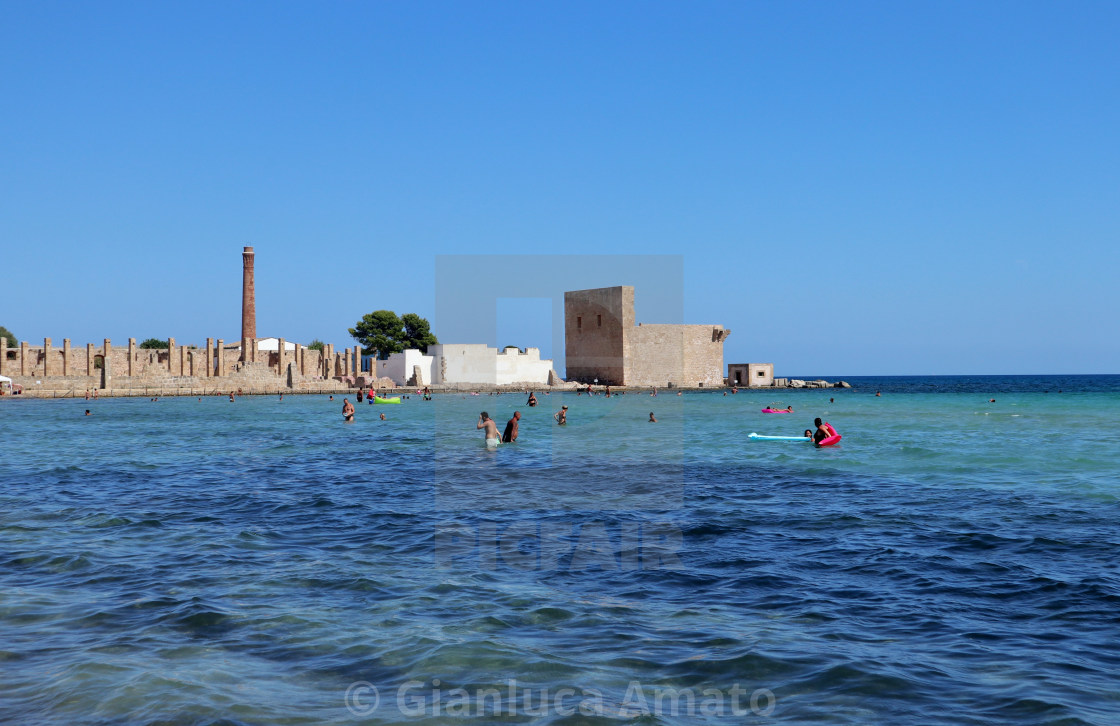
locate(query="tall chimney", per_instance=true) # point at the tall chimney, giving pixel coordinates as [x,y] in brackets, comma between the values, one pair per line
[248,304]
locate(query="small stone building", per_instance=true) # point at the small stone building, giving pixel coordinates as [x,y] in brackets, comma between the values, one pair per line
[752,375]
[603,341]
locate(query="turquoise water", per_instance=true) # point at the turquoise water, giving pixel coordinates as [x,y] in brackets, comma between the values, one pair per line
[951,561]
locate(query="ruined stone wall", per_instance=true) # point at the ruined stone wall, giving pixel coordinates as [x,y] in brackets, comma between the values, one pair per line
[596,325]
[128,360]
[678,355]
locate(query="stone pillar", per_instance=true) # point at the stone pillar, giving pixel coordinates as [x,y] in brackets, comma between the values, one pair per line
[131,356]
[357,361]
[254,348]
[184,364]
[220,352]
[209,357]
[89,359]
[280,358]
[297,358]
[248,300]
[65,356]
[3,352]
[107,365]
[46,357]
[171,356]
[24,354]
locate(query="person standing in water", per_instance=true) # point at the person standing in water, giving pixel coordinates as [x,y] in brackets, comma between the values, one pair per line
[510,434]
[822,433]
[532,399]
[651,418]
[347,410]
[561,416]
[487,423]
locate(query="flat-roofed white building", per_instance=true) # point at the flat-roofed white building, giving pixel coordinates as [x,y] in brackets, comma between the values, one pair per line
[450,363]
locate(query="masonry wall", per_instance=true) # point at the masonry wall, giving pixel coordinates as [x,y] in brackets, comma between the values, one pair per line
[464,363]
[399,366]
[596,325]
[680,355]
[127,360]
[513,366]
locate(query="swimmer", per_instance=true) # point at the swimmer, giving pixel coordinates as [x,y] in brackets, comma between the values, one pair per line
[651,418]
[347,410]
[561,416]
[808,433]
[382,417]
[485,422]
[88,413]
[822,433]
[510,434]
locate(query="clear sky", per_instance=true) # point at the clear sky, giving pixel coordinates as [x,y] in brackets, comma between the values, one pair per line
[853,188]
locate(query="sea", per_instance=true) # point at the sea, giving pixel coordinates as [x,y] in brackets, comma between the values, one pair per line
[953,560]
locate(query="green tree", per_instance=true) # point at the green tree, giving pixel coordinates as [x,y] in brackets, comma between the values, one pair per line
[417,332]
[154,344]
[383,333]
[12,340]
[316,345]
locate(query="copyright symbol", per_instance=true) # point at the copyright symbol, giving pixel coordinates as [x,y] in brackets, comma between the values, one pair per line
[362,698]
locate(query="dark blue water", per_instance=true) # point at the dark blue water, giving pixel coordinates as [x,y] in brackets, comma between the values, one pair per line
[952,561]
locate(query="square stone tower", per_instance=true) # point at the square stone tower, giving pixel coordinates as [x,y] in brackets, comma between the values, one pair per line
[603,341]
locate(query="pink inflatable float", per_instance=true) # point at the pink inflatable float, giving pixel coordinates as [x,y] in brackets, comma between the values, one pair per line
[776,410]
[831,439]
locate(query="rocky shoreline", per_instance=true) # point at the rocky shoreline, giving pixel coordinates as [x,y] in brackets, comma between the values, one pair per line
[798,383]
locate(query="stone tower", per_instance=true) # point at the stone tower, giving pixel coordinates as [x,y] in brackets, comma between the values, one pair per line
[248,304]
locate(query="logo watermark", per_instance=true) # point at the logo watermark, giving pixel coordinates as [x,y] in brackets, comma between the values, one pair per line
[433,698]
[559,545]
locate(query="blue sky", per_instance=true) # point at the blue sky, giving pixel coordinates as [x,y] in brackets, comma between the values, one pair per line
[853,188]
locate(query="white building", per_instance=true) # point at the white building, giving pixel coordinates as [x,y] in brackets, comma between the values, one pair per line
[399,366]
[468,363]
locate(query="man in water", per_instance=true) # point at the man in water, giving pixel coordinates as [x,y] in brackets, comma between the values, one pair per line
[347,410]
[510,434]
[485,422]
[561,416]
